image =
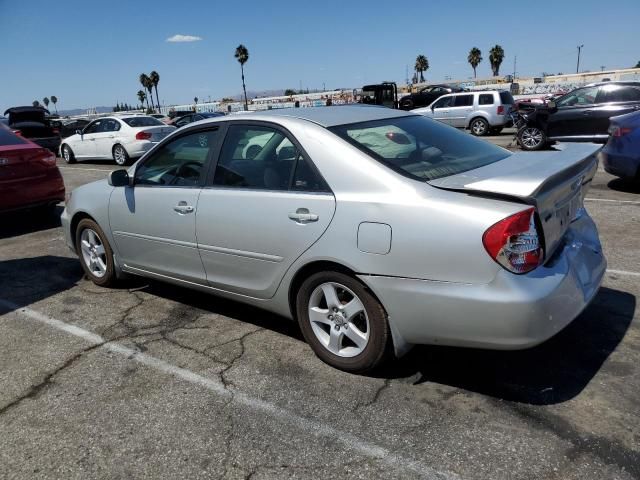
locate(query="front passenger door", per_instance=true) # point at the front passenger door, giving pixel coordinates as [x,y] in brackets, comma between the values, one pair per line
[154,221]
[441,109]
[86,146]
[574,114]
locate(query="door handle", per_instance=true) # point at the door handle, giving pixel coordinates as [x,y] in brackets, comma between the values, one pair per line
[587,112]
[302,215]
[182,208]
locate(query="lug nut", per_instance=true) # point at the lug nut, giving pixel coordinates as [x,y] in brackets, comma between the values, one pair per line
[330,317]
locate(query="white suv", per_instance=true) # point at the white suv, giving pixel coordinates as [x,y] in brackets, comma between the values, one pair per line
[482,112]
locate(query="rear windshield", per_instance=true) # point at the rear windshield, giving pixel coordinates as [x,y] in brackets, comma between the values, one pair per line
[7,137]
[506,98]
[28,116]
[420,148]
[142,122]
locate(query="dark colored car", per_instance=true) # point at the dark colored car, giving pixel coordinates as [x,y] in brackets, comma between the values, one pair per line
[29,177]
[621,155]
[194,117]
[581,115]
[32,123]
[68,127]
[425,96]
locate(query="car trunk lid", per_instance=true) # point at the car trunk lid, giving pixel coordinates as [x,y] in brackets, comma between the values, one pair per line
[157,133]
[24,162]
[555,182]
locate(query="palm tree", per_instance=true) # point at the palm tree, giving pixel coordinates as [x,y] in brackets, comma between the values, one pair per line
[496,55]
[45,100]
[142,97]
[242,55]
[54,100]
[155,80]
[145,81]
[35,103]
[474,59]
[422,65]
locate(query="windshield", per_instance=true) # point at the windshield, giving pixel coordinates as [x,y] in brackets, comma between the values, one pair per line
[142,122]
[420,148]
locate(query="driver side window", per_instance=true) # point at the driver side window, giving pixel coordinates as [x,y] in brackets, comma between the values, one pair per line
[443,102]
[93,127]
[579,97]
[179,163]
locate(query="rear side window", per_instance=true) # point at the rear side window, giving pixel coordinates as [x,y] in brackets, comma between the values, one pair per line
[506,98]
[7,137]
[463,101]
[614,93]
[142,122]
[485,99]
[420,148]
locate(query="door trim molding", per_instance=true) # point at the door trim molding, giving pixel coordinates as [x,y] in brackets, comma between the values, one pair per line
[151,238]
[241,253]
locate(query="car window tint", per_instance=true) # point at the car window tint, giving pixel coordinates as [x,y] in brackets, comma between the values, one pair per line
[485,99]
[616,93]
[179,162]
[506,98]
[142,121]
[7,137]
[463,101]
[581,96]
[255,157]
[94,127]
[443,102]
[306,178]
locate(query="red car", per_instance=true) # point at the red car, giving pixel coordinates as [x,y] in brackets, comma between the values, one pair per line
[29,177]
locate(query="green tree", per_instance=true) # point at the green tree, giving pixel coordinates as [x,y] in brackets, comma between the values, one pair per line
[155,80]
[289,92]
[637,65]
[474,59]
[242,55]
[45,100]
[422,65]
[145,81]
[496,55]
[54,100]
[142,97]
[36,103]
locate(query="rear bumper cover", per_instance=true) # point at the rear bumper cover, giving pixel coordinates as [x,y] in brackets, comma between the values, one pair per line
[44,189]
[511,312]
[620,165]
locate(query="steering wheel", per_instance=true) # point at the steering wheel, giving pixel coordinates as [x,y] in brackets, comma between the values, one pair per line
[189,170]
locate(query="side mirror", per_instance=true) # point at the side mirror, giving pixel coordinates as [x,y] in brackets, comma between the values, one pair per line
[79,132]
[552,105]
[433,107]
[119,178]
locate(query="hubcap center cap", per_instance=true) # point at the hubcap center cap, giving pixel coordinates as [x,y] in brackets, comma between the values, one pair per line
[339,319]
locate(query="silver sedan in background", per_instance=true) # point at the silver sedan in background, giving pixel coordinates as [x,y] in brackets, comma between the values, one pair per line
[375,229]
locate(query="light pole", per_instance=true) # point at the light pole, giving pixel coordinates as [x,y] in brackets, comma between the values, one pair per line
[578,66]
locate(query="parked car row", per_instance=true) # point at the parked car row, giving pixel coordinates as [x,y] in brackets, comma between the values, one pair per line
[32,123]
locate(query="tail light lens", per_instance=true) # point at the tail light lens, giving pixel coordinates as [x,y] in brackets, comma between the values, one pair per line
[616,131]
[143,136]
[500,109]
[55,131]
[18,132]
[514,242]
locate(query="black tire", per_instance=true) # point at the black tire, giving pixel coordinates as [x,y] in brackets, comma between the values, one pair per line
[109,277]
[120,155]
[495,130]
[378,346]
[67,154]
[532,138]
[479,127]
[406,105]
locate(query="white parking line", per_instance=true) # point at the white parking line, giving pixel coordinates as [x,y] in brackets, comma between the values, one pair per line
[86,169]
[611,201]
[307,425]
[623,272]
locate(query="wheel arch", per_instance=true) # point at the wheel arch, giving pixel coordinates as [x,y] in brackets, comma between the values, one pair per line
[477,115]
[75,220]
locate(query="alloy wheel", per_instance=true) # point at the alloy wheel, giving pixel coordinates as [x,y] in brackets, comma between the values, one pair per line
[119,155]
[93,253]
[479,127]
[66,154]
[338,319]
[531,137]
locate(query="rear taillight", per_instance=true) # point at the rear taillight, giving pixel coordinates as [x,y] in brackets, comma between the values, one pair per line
[55,131]
[143,136]
[514,242]
[500,109]
[18,132]
[616,131]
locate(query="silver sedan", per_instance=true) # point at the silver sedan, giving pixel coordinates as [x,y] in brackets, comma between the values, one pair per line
[374,229]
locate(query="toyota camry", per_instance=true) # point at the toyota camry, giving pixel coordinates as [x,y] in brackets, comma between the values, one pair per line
[374,229]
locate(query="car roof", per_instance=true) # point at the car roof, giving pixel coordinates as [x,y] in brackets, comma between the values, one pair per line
[330,116]
[597,84]
[25,109]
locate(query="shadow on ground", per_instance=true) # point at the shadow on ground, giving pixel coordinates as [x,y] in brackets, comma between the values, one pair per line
[553,372]
[29,221]
[626,185]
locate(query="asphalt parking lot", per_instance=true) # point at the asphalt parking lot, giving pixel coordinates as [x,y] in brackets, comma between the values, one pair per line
[154,381]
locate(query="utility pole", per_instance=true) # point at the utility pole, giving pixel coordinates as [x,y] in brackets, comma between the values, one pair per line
[578,66]
[602,68]
[406,71]
[515,58]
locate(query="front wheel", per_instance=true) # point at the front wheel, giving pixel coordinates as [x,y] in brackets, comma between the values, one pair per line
[68,155]
[343,322]
[120,155]
[479,127]
[531,138]
[95,253]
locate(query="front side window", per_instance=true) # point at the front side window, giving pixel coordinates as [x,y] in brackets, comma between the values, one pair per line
[579,97]
[180,162]
[463,101]
[94,127]
[258,157]
[443,102]
[420,148]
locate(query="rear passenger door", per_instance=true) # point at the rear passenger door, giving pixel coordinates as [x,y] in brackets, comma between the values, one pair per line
[264,204]
[613,100]
[461,109]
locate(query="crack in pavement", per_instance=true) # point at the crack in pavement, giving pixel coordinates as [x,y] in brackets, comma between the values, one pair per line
[375,398]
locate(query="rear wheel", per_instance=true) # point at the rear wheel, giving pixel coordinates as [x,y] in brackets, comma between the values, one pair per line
[343,322]
[406,104]
[95,253]
[479,127]
[67,154]
[120,155]
[531,138]
[495,130]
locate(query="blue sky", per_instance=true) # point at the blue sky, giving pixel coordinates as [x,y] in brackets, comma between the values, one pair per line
[90,53]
